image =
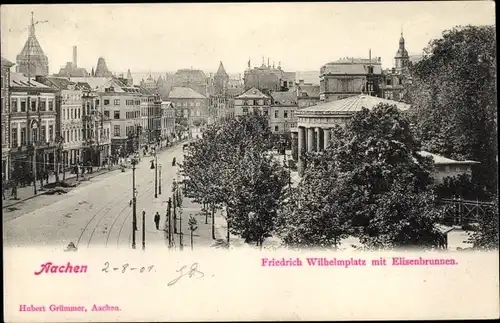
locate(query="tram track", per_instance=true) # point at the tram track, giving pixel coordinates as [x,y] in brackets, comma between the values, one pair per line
[100,215]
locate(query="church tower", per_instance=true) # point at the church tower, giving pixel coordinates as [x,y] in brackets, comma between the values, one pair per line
[130,80]
[401,58]
[220,80]
[32,60]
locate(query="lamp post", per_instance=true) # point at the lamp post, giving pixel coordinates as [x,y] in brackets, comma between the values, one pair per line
[156,174]
[159,182]
[134,204]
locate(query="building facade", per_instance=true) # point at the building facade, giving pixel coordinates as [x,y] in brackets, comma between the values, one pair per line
[193,79]
[5,80]
[282,113]
[253,102]
[32,128]
[446,167]
[167,121]
[349,77]
[190,104]
[307,94]
[71,116]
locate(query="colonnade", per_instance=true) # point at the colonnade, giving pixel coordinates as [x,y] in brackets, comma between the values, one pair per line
[312,139]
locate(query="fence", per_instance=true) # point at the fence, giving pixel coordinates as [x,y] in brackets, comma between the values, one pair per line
[459,211]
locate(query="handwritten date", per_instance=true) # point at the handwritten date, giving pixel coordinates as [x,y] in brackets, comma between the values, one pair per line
[184,271]
[126,267]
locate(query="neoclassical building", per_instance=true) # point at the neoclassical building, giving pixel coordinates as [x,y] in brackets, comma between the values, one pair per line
[314,123]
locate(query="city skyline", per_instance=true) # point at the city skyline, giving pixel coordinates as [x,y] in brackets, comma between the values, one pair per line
[274,33]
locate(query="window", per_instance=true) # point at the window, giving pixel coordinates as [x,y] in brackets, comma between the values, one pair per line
[285,114]
[13,137]
[117,131]
[389,81]
[276,128]
[117,102]
[116,115]
[51,133]
[197,104]
[245,111]
[106,113]
[1,83]
[276,114]
[33,105]
[42,134]
[23,136]
[106,102]
[79,115]
[51,105]
[266,112]
[13,105]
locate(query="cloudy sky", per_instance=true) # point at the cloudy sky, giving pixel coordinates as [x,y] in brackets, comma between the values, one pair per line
[166,37]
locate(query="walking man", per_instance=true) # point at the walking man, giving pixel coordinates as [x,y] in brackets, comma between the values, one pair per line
[157,220]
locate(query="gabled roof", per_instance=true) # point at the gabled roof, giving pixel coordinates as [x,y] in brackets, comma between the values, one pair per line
[252,93]
[99,83]
[308,91]
[350,105]
[184,93]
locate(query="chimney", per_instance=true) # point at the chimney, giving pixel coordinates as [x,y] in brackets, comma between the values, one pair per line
[75,56]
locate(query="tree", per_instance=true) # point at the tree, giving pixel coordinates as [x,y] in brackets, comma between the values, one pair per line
[453,93]
[255,203]
[486,237]
[369,177]
[461,186]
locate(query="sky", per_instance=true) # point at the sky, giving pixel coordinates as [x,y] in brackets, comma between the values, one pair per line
[167,37]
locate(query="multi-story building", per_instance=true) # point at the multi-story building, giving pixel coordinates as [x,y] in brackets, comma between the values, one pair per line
[167,121]
[71,115]
[148,134]
[32,127]
[192,105]
[252,101]
[282,112]
[119,108]
[32,60]
[349,77]
[268,79]
[4,85]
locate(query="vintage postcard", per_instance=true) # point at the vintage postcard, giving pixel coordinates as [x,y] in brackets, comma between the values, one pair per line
[249,161]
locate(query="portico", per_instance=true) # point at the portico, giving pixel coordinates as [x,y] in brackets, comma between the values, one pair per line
[314,124]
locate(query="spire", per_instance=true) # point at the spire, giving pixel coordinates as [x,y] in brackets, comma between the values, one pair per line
[221,72]
[32,26]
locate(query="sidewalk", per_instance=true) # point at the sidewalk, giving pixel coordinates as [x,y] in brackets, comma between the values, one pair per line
[27,192]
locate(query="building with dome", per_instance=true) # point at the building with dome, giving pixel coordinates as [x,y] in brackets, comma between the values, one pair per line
[32,60]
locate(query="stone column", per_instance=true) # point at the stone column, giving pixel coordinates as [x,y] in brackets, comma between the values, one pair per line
[326,133]
[319,140]
[310,139]
[301,149]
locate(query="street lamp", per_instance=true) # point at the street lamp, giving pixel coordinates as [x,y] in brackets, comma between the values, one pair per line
[159,182]
[156,174]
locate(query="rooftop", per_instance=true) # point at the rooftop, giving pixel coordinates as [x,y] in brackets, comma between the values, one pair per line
[184,93]
[350,105]
[6,63]
[252,93]
[19,80]
[284,98]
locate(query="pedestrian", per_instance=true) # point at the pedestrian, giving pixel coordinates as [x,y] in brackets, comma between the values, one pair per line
[13,194]
[157,220]
[47,176]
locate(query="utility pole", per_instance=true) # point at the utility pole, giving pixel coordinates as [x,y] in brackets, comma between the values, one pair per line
[156,174]
[134,210]
[143,230]
[169,215]
[159,183]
